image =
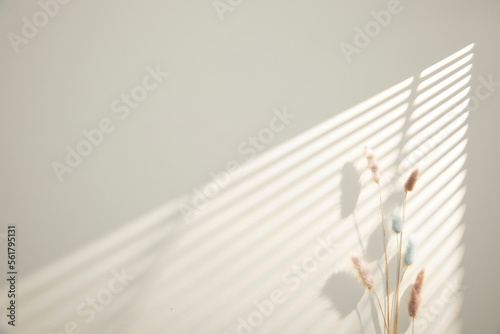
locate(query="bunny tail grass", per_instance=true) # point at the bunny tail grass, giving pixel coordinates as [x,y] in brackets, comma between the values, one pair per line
[366,277]
[397,224]
[412,180]
[411,252]
[369,153]
[416,292]
[372,165]
[374,168]
[364,272]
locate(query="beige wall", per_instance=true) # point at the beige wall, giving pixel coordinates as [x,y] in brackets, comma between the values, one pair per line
[225,79]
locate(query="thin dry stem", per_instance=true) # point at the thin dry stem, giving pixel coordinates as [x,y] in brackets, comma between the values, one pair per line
[403,276]
[382,311]
[399,267]
[385,253]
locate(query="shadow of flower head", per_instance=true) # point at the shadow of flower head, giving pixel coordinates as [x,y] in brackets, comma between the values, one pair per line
[350,189]
[344,292]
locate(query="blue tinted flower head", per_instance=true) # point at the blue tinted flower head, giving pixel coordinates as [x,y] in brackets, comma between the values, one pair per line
[397,225]
[411,252]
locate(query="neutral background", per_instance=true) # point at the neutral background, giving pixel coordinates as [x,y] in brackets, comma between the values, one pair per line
[225,79]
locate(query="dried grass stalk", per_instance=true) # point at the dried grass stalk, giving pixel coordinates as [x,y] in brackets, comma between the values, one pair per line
[416,292]
[411,252]
[412,179]
[364,272]
[397,224]
[372,165]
